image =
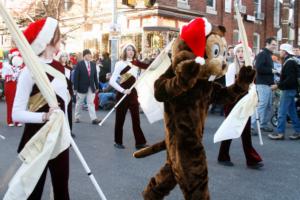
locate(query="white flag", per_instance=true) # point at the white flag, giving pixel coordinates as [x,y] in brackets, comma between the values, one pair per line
[153,109]
[234,124]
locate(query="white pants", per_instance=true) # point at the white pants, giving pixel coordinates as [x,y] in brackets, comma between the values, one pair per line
[90,96]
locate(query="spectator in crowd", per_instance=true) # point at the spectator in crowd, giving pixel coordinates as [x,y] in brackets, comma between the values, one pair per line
[288,86]
[123,77]
[276,69]
[105,66]
[64,60]
[264,85]
[85,86]
[296,51]
[35,113]
[107,95]
[10,73]
[230,55]
[253,159]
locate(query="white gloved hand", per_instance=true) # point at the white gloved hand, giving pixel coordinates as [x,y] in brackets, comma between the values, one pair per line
[127,91]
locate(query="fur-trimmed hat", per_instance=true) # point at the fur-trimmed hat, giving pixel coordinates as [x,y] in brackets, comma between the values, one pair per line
[194,35]
[240,45]
[40,33]
[127,45]
[15,57]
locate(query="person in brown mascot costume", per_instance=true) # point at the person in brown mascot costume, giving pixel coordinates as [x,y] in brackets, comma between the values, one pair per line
[187,89]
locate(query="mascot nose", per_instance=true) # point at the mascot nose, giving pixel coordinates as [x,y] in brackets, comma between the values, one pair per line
[224,65]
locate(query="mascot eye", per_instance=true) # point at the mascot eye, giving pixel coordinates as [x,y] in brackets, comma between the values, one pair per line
[216,50]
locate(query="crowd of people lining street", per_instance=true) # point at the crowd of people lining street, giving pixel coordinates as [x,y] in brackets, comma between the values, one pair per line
[92,86]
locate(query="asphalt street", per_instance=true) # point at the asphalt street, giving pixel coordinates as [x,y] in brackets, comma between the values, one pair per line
[123,177]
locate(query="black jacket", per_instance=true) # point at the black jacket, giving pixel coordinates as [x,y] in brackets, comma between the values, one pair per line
[264,65]
[289,75]
[104,69]
[82,81]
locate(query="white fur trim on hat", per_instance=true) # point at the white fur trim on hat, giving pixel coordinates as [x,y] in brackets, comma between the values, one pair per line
[240,45]
[45,35]
[126,45]
[15,53]
[17,61]
[200,60]
[208,26]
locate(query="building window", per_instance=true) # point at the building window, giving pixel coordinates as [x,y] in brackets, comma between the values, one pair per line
[211,7]
[228,4]
[211,3]
[257,6]
[257,12]
[183,4]
[256,42]
[277,13]
[236,37]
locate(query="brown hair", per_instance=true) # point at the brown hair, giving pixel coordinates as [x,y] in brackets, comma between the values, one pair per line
[124,55]
[56,37]
[54,40]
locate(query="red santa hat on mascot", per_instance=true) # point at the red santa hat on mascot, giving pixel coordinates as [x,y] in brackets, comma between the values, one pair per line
[40,33]
[16,58]
[194,35]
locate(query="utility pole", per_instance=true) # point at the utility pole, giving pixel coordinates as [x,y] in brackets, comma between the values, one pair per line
[85,25]
[114,36]
[297,21]
[285,21]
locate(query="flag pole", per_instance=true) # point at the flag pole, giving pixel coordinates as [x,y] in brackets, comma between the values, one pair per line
[247,57]
[154,64]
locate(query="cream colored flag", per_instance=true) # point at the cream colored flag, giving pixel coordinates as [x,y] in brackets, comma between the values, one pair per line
[145,85]
[234,124]
[153,109]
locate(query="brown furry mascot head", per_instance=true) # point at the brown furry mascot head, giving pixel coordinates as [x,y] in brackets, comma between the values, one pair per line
[206,44]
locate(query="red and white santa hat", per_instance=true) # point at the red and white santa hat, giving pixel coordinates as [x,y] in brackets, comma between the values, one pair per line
[16,58]
[194,35]
[40,33]
[13,52]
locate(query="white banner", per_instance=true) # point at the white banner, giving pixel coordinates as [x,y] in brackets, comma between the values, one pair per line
[153,109]
[234,124]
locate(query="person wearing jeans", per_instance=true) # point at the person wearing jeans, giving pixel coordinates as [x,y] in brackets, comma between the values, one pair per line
[264,84]
[288,87]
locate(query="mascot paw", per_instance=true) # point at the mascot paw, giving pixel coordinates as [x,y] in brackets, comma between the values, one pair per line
[246,75]
[187,72]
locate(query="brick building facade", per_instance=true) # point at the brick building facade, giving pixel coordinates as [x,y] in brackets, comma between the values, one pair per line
[151,28]
[154,27]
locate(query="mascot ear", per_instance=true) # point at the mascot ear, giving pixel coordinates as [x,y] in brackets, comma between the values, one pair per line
[219,30]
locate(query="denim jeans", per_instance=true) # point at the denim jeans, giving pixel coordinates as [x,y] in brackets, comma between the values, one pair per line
[264,107]
[106,97]
[287,106]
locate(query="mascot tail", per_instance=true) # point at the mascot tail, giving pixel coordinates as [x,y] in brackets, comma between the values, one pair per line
[147,151]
